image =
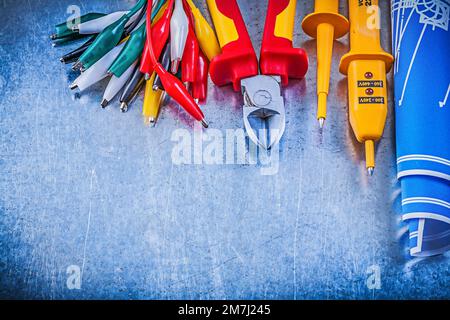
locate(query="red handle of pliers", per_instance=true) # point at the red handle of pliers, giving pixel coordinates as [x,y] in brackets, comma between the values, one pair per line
[238,58]
[160,34]
[189,62]
[200,86]
[278,57]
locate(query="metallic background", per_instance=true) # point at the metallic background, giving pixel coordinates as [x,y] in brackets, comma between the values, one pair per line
[97,189]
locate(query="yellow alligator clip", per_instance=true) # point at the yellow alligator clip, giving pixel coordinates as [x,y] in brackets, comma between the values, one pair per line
[325,24]
[366,66]
[205,34]
[152,101]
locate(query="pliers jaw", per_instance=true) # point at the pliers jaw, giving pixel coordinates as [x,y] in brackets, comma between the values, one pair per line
[264,112]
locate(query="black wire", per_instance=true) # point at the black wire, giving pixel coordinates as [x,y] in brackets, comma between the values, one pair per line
[134,85]
[75,54]
[134,24]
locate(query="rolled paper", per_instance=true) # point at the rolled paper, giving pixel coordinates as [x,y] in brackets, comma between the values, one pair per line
[421,45]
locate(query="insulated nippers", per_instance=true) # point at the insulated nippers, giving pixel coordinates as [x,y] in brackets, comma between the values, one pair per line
[237,64]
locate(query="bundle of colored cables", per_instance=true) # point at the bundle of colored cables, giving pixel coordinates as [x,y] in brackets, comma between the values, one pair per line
[161,46]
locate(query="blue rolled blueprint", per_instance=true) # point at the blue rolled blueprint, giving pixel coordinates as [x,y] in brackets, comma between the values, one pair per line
[421,45]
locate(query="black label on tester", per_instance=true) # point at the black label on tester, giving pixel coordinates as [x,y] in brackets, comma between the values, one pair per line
[371,100]
[370,84]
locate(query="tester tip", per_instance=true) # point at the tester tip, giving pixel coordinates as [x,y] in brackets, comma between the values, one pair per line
[322,105]
[321,122]
[370,171]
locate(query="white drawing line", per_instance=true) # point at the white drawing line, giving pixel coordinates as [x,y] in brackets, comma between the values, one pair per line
[411,64]
[444,102]
[401,30]
[435,13]
[402,33]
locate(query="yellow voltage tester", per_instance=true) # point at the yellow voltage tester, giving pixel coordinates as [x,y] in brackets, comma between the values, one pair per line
[325,24]
[366,66]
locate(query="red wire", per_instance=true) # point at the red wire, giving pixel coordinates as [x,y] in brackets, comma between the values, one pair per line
[149,33]
[174,87]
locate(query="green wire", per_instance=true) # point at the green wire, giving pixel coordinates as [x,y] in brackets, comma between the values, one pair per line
[136,8]
[132,50]
[157,8]
[111,36]
[62,30]
[104,43]
[134,47]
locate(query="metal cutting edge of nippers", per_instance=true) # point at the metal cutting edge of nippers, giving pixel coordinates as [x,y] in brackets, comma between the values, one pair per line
[264,109]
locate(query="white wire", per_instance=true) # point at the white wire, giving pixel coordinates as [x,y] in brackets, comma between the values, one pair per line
[117,83]
[98,71]
[98,25]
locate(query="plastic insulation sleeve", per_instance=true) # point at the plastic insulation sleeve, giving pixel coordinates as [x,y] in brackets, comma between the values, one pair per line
[98,71]
[117,83]
[98,25]
[174,87]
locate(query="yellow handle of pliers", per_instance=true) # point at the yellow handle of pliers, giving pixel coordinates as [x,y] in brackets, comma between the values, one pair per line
[205,33]
[225,26]
[285,21]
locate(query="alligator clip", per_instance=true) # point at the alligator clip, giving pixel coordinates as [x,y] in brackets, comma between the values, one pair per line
[264,112]
[160,34]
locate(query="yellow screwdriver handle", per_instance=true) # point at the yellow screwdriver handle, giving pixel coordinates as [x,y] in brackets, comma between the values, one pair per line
[325,24]
[205,33]
[365,35]
[152,101]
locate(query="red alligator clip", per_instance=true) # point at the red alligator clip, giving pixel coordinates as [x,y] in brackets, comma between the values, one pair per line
[160,34]
[200,86]
[190,58]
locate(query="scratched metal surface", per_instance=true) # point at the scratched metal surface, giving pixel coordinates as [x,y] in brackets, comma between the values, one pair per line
[96,189]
